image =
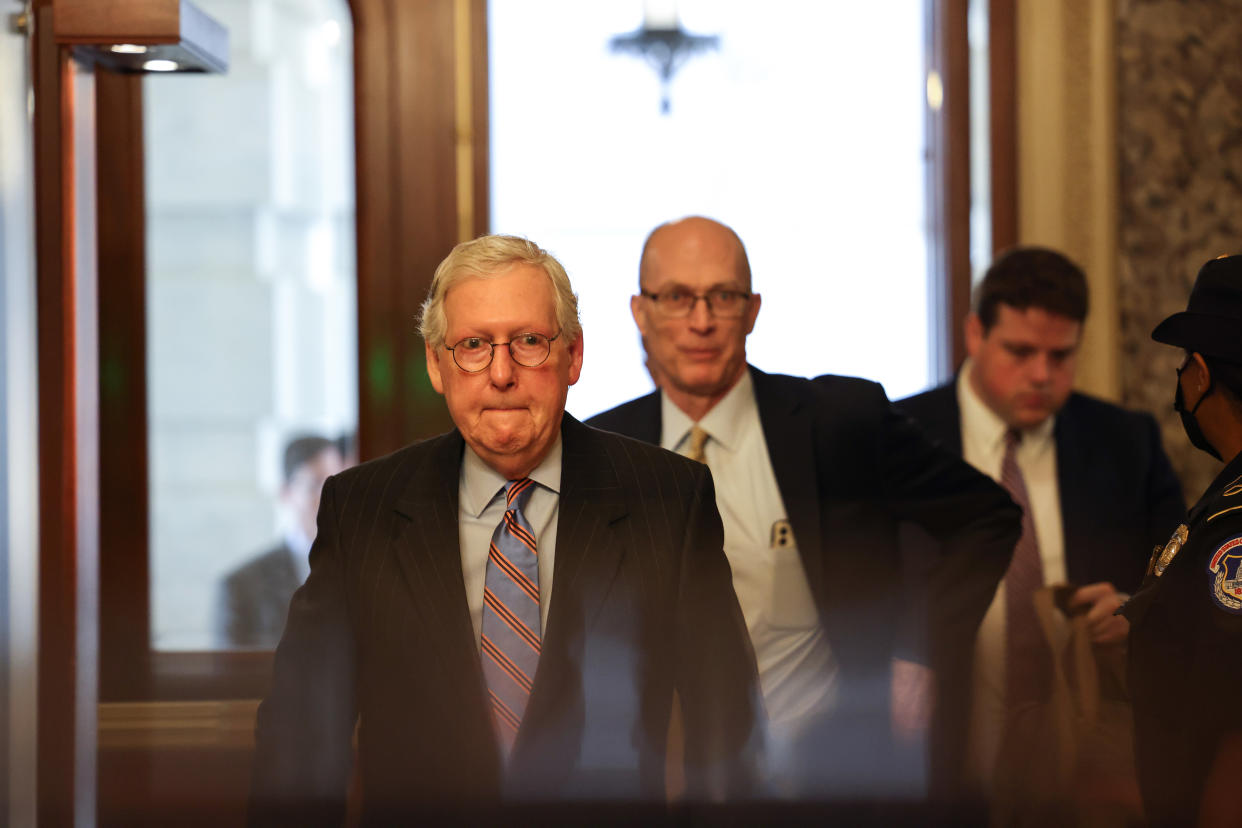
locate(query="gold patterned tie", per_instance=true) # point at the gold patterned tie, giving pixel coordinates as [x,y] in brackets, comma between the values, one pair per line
[698,439]
[675,749]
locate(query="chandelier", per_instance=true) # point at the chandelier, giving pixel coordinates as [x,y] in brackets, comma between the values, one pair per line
[663,43]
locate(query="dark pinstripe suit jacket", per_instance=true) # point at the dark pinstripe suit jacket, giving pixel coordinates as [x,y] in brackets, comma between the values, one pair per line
[380,634]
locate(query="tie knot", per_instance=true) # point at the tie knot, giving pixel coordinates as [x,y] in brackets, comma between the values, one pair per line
[698,439]
[517,492]
[1013,438]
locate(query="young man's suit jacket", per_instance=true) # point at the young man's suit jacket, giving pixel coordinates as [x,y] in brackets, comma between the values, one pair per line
[253,600]
[1118,494]
[642,602]
[849,469]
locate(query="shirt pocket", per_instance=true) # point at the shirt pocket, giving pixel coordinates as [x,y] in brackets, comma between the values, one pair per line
[790,604]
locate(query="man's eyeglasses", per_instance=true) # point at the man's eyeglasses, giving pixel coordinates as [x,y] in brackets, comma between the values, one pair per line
[474,353]
[726,304]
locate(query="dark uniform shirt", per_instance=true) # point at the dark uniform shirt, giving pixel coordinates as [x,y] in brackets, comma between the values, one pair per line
[1185,669]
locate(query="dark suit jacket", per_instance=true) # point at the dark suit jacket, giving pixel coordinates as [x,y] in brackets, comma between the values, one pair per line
[849,468]
[642,602]
[1119,497]
[254,600]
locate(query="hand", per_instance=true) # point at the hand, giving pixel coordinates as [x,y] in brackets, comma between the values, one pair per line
[914,695]
[1102,601]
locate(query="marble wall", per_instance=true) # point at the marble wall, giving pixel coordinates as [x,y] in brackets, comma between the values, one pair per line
[1180,155]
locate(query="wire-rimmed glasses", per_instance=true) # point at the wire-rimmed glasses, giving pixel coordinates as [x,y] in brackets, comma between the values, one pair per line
[530,350]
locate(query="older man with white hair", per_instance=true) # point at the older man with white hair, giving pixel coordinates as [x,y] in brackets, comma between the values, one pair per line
[505,611]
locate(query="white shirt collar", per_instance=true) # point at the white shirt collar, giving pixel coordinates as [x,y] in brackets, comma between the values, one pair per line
[724,422]
[983,427]
[299,545]
[482,483]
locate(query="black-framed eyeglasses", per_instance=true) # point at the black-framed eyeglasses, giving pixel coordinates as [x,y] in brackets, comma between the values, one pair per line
[530,350]
[724,303]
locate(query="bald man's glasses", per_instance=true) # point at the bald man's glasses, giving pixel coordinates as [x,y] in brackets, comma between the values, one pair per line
[530,350]
[675,302]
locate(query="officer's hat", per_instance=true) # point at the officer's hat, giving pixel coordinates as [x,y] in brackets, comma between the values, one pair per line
[1212,321]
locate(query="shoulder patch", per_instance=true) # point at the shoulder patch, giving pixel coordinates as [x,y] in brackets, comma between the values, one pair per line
[1225,577]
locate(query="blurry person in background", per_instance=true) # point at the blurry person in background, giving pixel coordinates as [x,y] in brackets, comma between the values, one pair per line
[347,445]
[1097,490]
[812,479]
[254,598]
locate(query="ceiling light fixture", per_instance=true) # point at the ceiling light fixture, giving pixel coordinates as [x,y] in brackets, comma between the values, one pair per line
[663,43]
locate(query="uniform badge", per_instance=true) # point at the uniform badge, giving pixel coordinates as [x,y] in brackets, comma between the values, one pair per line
[1161,558]
[1223,567]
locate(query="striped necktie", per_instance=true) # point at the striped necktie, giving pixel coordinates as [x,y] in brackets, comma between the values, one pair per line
[510,635]
[1028,661]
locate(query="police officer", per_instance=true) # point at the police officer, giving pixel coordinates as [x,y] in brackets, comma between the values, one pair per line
[1186,621]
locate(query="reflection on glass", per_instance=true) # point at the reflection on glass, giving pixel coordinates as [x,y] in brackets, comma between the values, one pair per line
[251,316]
[804,131]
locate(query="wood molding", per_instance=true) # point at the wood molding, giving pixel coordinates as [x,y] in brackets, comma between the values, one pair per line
[68,429]
[125,617]
[133,21]
[175,30]
[421,145]
[481,101]
[214,675]
[169,725]
[1003,122]
[949,190]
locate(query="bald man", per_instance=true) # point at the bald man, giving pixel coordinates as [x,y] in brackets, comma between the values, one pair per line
[812,478]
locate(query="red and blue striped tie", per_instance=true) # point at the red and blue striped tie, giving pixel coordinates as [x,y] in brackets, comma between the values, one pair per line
[510,639]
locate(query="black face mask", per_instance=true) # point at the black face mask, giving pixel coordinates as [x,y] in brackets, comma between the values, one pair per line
[1189,423]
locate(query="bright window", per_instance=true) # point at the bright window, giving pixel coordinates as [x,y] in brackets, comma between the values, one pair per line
[251,304]
[804,131]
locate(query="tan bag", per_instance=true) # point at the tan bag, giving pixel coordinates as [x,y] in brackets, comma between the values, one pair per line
[1070,761]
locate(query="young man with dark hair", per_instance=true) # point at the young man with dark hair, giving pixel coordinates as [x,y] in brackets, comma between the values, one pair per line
[1032,277]
[1093,479]
[254,598]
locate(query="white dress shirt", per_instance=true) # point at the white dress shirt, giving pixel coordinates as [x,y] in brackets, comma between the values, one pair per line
[797,671]
[480,507]
[983,446]
[299,552]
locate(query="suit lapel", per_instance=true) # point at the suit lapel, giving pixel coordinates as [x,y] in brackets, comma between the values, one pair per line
[647,421]
[427,548]
[588,555]
[1073,462]
[788,430]
[590,501]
